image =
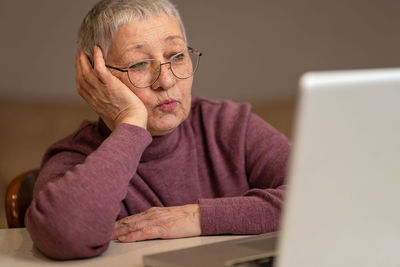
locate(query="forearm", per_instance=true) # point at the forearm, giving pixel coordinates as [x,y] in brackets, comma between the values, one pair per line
[73,215]
[258,211]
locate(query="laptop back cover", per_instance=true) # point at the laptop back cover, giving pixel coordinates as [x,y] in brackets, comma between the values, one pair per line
[342,206]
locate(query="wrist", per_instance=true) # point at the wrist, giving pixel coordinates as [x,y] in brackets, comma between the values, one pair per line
[194,210]
[134,121]
[137,118]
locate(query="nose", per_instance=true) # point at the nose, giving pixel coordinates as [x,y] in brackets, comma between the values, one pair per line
[166,79]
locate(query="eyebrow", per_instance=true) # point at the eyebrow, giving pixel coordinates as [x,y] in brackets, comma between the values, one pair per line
[140,46]
[173,37]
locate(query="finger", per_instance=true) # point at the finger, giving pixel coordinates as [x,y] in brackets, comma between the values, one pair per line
[84,90]
[86,71]
[152,213]
[138,221]
[114,235]
[134,218]
[77,65]
[81,85]
[100,66]
[78,69]
[151,217]
[151,232]
[123,228]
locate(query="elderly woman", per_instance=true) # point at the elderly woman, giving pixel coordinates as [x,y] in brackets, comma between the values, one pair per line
[157,164]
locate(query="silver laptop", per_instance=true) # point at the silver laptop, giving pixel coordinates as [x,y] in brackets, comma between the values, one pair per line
[342,205]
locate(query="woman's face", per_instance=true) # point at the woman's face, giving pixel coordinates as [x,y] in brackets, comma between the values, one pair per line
[168,100]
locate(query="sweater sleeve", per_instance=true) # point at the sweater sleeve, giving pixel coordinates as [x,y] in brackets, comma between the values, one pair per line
[77,198]
[257,210]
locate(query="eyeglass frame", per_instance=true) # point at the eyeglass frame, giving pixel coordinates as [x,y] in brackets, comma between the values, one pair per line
[190,49]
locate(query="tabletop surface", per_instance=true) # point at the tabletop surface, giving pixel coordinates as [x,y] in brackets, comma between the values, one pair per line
[16,249]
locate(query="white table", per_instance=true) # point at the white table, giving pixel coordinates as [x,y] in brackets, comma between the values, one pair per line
[16,249]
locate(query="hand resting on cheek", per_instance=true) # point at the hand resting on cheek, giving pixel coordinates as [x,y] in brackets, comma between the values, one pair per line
[110,98]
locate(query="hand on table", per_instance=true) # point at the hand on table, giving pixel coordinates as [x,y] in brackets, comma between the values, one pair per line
[159,222]
[110,98]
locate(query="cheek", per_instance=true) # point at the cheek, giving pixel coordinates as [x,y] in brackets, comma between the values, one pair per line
[149,99]
[186,89]
[144,94]
[123,77]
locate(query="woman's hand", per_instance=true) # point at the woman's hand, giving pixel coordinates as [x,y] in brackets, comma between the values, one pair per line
[165,222]
[110,98]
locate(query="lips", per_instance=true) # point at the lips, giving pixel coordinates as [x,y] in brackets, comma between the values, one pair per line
[168,104]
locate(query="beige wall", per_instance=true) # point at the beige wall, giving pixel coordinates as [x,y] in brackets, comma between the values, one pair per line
[254,51]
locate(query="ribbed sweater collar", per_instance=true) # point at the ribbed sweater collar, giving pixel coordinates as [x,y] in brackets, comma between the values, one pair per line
[161,146]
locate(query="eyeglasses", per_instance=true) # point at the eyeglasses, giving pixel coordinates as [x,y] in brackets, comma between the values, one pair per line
[145,73]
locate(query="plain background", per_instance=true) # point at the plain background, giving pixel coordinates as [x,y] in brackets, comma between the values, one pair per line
[254,51]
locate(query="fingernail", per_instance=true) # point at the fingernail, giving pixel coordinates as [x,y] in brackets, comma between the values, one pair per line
[122,238]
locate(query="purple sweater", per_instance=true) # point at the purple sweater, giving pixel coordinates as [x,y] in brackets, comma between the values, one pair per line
[222,157]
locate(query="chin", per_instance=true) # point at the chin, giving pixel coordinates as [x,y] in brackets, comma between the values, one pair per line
[166,123]
[163,129]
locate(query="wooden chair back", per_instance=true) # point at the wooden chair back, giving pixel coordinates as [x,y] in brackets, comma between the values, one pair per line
[19,197]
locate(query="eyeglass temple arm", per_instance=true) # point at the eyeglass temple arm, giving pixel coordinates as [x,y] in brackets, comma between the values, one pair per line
[114,68]
[194,51]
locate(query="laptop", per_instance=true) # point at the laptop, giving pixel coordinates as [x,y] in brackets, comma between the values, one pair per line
[343,199]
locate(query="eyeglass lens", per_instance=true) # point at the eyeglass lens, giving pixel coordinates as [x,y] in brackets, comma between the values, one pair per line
[146,72]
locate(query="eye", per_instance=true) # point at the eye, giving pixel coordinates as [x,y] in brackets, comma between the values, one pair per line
[178,57]
[141,65]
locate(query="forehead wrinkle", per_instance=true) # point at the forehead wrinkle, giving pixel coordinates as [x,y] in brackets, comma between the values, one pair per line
[123,53]
[134,47]
[141,46]
[149,36]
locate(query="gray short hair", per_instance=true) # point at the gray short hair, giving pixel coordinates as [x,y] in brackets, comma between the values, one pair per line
[105,18]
